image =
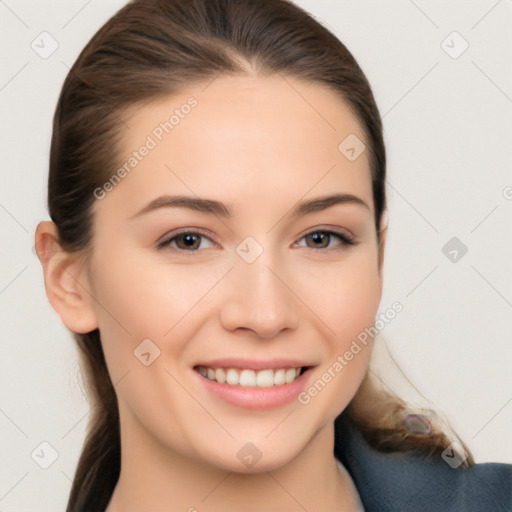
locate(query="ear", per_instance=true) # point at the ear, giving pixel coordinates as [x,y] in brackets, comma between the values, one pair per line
[66,281]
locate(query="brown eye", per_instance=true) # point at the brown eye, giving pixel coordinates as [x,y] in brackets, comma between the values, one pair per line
[185,242]
[188,241]
[321,239]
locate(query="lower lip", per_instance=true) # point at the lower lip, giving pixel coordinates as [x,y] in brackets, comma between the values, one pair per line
[255,398]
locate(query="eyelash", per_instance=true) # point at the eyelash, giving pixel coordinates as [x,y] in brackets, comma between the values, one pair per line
[345,240]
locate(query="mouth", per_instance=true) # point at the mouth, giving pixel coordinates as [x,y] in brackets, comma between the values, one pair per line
[253,386]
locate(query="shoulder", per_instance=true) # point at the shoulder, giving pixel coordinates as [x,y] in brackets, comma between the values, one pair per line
[404,482]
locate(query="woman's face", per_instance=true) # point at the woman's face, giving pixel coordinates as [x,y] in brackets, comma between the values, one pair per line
[237,276]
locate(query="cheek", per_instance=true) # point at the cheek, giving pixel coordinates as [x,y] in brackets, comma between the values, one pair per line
[345,297]
[347,303]
[139,300]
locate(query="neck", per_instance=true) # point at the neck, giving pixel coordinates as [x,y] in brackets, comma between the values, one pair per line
[157,478]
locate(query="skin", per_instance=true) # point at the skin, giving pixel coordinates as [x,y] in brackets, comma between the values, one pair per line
[255,144]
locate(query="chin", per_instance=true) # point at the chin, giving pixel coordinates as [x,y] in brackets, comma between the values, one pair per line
[251,457]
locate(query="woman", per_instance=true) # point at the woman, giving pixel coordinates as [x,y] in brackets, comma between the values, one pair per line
[217,199]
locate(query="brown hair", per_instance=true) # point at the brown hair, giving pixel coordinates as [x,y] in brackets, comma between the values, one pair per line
[153,48]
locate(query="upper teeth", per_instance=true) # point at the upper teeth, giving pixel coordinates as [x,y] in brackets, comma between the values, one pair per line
[250,378]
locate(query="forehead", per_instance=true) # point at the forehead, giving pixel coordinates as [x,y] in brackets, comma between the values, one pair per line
[243,134]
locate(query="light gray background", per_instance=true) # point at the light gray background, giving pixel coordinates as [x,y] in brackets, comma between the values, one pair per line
[448,134]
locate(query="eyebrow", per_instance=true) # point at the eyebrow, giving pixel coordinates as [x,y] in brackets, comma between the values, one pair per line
[213,207]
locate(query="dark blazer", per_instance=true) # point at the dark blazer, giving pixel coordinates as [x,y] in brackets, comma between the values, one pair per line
[400,482]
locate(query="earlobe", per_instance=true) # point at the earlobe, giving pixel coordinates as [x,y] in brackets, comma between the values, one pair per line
[65,280]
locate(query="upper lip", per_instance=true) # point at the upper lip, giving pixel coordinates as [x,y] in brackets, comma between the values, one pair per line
[254,364]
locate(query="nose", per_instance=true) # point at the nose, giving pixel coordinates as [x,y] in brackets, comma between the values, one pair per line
[260,299]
